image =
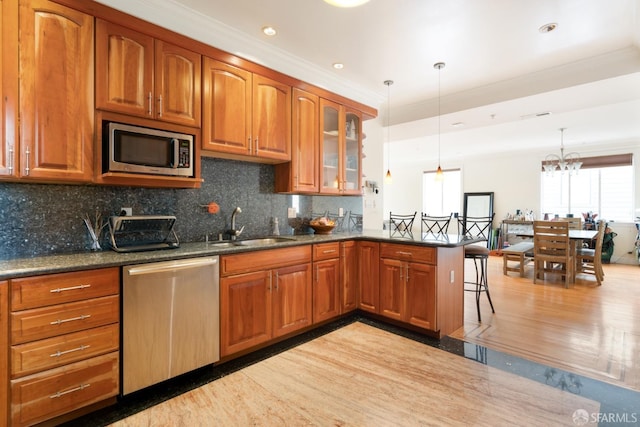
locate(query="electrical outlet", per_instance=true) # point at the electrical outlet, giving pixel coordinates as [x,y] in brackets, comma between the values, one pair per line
[291,212]
[340,212]
[126,211]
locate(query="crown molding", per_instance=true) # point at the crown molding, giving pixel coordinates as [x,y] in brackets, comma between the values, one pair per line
[178,18]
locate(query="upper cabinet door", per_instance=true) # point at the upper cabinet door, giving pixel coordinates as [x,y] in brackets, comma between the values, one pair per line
[177,82]
[8,89]
[305,146]
[226,108]
[140,76]
[331,142]
[271,127]
[124,70]
[56,92]
[352,152]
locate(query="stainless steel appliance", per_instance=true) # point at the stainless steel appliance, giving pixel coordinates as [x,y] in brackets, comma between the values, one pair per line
[136,149]
[142,233]
[170,320]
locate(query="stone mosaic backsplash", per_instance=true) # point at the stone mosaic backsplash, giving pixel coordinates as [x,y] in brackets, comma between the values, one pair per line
[42,219]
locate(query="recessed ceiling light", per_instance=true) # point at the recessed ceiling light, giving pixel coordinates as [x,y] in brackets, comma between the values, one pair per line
[457,124]
[547,28]
[338,65]
[269,31]
[346,3]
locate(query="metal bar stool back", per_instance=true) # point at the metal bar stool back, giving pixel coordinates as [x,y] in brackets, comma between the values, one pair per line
[401,224]
[480,228]
[434,224]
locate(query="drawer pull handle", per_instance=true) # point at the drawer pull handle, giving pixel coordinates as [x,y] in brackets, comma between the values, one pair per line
[62,393]
[328,251]
[62,353]
[404,253]
[70,288]
[60,321]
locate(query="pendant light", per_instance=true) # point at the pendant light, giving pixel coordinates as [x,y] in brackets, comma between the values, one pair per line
[387,177]
[439,174]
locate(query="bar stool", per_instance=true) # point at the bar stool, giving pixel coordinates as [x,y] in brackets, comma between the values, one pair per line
[480,228]
[401,223]
[434,224]
[355,221]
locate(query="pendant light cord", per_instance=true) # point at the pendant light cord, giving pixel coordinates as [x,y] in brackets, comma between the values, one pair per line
[388,83]
[439,66]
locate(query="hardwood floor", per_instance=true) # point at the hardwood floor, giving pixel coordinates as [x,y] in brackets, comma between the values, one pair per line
[588,329]
[363,376]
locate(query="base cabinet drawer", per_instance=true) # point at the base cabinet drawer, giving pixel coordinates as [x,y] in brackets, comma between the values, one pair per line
[46,322]
[57,351]
[60,288]
[57,391]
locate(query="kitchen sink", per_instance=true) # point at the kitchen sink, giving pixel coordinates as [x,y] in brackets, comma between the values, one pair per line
[220,244]
[263,241]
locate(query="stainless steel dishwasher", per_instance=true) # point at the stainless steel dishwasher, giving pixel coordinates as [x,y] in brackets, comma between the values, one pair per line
[170,320]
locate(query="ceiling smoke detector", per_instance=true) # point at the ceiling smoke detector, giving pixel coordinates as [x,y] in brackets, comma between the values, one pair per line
[547,28]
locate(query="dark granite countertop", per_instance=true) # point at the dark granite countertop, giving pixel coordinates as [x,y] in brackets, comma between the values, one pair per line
[22,267]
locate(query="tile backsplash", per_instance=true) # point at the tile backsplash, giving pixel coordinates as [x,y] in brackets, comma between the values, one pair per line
[41,219]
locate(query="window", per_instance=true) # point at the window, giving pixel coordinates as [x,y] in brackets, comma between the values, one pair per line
[441,197]
[604,185]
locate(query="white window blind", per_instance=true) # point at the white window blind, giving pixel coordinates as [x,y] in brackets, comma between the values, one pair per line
[603,186]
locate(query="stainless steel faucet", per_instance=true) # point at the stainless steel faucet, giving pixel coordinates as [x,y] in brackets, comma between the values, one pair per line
[233,233]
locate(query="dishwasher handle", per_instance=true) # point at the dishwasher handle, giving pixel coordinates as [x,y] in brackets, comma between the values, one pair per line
[171,266]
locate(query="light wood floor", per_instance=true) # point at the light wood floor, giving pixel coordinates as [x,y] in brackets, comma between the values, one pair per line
[360,375]
[587,329]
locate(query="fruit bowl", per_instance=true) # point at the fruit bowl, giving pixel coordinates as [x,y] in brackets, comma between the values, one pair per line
[322,225]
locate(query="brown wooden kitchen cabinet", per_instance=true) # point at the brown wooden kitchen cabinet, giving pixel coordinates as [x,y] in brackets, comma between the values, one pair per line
[340,149]
[64,343]
[4,354]
[247,116]
[369,269]
[326,281]
[349,276]
[263,295]
[301,174]
[146,77]
[422,286]
[55,139]
[9,90]
[408,284]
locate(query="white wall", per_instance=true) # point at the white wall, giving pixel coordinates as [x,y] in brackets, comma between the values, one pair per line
[372,171]
[513,177]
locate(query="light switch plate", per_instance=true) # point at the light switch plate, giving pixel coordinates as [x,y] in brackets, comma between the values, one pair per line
[291,212]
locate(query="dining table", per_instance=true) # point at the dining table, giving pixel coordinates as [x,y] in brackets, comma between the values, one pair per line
[576,237]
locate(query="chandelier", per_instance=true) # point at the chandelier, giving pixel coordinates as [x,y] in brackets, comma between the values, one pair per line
[569,162]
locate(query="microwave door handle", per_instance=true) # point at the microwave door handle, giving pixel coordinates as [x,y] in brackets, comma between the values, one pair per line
[175,144]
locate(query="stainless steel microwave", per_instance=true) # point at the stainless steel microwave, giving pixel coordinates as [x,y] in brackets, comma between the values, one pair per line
[136,149]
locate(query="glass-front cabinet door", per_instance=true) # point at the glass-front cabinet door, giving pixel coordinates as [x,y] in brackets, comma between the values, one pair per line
[332,128]
[352,153]
[340,149]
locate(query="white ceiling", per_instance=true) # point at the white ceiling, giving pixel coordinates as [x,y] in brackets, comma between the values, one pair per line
[500,70]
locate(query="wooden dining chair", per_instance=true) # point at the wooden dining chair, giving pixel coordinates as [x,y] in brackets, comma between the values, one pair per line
[590,260]
[575,223]
[434,224]
[552,250]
